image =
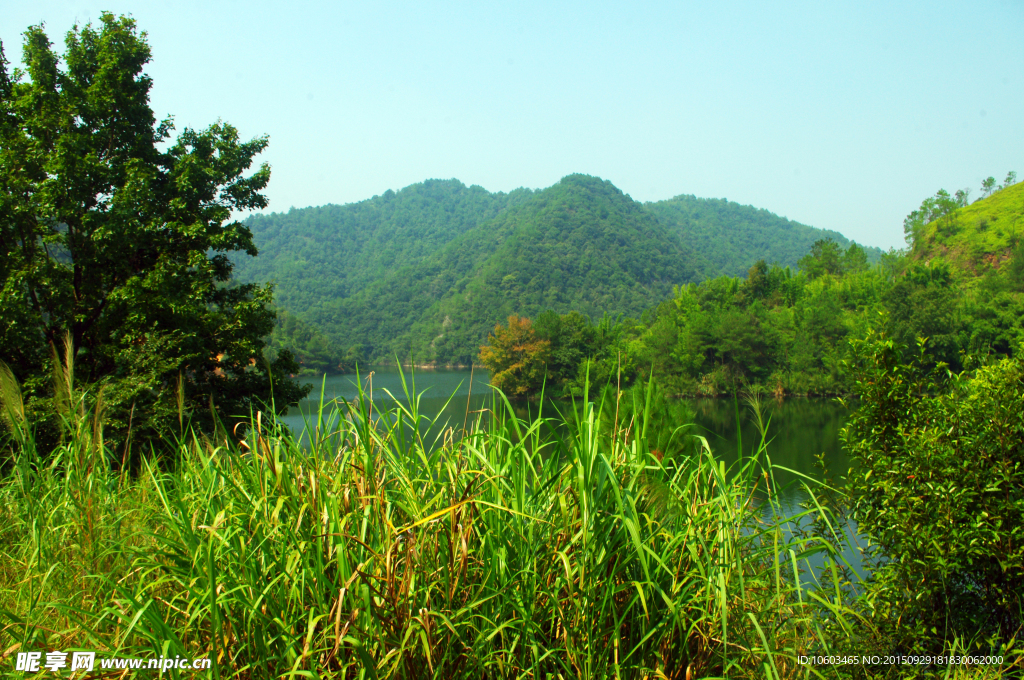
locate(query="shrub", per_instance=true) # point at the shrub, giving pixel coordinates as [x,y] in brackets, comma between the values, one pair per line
[940,491]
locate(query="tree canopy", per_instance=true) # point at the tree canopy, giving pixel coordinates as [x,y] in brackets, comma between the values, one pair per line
[118,236]
[733,236]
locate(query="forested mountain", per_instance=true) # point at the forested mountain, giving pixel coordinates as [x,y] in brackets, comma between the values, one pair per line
[315,353]
[426,272]
[732,236]
[581,244]
[335,251]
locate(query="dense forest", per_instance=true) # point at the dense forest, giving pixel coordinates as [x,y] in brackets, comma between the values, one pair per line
[424,273]
[959,287]
[335,251]
[311,349]
[116,238]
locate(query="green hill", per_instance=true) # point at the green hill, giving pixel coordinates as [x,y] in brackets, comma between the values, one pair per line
[965,270]
[732,236]
[427,271]
[977,237]
[581,244]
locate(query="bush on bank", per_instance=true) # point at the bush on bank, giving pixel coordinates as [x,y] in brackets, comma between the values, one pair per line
[940,489]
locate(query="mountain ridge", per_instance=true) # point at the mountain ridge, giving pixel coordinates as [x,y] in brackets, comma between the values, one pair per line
[427,271]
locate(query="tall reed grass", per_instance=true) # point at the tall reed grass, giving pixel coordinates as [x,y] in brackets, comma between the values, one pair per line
[394,546]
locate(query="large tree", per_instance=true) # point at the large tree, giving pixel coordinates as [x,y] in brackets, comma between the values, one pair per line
[118,236]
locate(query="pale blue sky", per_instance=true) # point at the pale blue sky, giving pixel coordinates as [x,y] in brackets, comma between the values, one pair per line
[839,115]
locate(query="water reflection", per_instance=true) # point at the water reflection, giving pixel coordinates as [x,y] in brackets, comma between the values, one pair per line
[799,430]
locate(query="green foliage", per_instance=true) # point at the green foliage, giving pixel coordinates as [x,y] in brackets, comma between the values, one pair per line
[940,209]
[315,353]
[579,245]
[940,490]
[988,185]
[922,304]
[973,238]
[644,412]
[572,339]
[786,332]
[827,258]
[351,246]
[778,330]
[742,343]
[119,236]
[424,273]
[855,259]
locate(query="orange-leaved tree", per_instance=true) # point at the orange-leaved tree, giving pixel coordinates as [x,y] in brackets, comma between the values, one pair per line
[516,357]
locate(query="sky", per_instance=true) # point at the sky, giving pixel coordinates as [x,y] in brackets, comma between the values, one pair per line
[840,115]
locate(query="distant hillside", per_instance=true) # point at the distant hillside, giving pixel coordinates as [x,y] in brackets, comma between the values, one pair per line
[427,271]
[732,236]
[581,244]
[976,237]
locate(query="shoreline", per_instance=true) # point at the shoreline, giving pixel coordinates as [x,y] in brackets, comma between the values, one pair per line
[549,395]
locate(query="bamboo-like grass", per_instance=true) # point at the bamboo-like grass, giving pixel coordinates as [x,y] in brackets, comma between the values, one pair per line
[393,546]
